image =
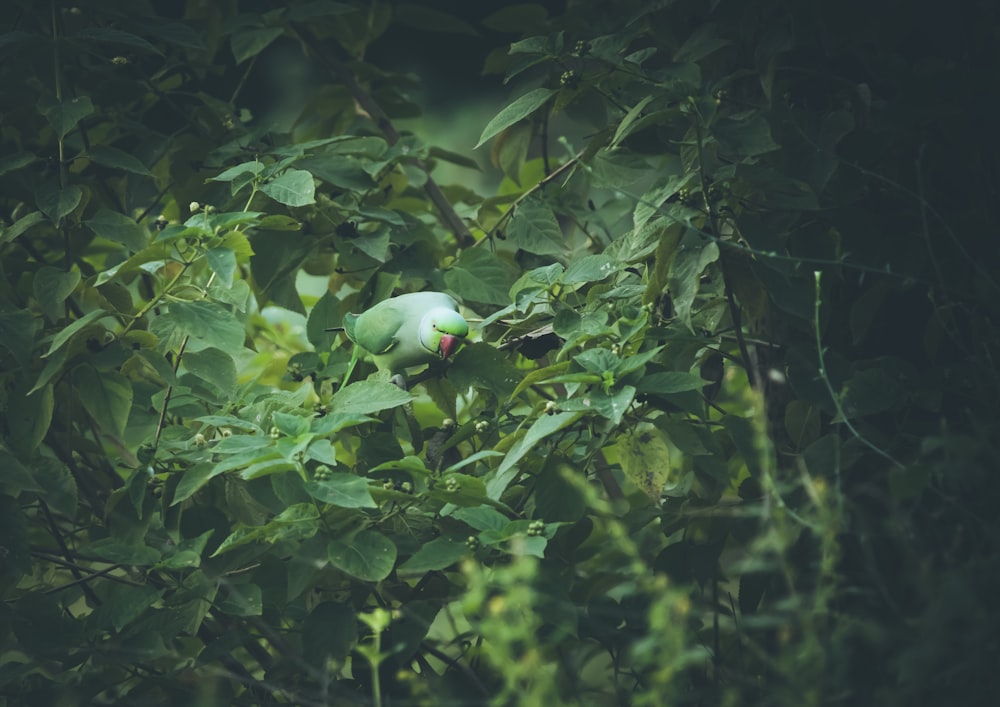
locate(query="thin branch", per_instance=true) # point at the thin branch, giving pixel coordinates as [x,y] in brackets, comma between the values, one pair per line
[734,308]
[542,183]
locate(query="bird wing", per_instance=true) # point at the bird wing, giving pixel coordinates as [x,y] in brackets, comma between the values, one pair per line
[376,329]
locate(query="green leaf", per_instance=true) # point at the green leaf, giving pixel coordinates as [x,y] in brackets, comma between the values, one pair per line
[431,20]
[118,159]
[700,44]
[645,459]
[870,392]
[482,518]
[745,138]
[63,116]
[534,228]
[297,522]
[223,264]
[267,467]
[118,228]
[57,483]
[343,490]
[69,331]
[242,600]
[519,109]
[589,268]
[294,187]
[693,255]
[106,396]
[480,276]
[193,479]
[210,322]
[460,490]
[57,203]
[9,233]
[438,554]
[612,405]
[539,430]
[323,451]
[368,556]
[245,169]
[215,367]
[28,416]
[667,382]
[623,129]
[15,477]
[318,8]
[17,335]
[52,286]
[368,396]
[514,18]
[16,161]
[249,43]
[124,553]
[116,36]
[123,604]
[484,367]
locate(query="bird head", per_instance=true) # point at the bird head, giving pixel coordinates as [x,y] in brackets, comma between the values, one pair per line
[442,331]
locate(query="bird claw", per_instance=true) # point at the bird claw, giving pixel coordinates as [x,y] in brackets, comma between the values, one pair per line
[399,381]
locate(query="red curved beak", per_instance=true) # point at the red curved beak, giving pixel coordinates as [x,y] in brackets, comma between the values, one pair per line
[449,345]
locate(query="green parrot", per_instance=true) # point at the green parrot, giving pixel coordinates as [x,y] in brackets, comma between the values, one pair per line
[405,331]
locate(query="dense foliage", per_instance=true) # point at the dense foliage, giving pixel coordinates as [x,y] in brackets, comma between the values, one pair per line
[724,433]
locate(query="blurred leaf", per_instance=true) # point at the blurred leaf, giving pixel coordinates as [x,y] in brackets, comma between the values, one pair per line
[15,561]
[329,633]
[431,20]
[17,335]
[248,43]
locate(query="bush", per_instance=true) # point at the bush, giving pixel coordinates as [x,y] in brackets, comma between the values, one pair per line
[723,432]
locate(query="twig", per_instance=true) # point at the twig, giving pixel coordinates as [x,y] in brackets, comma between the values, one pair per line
[542,183]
